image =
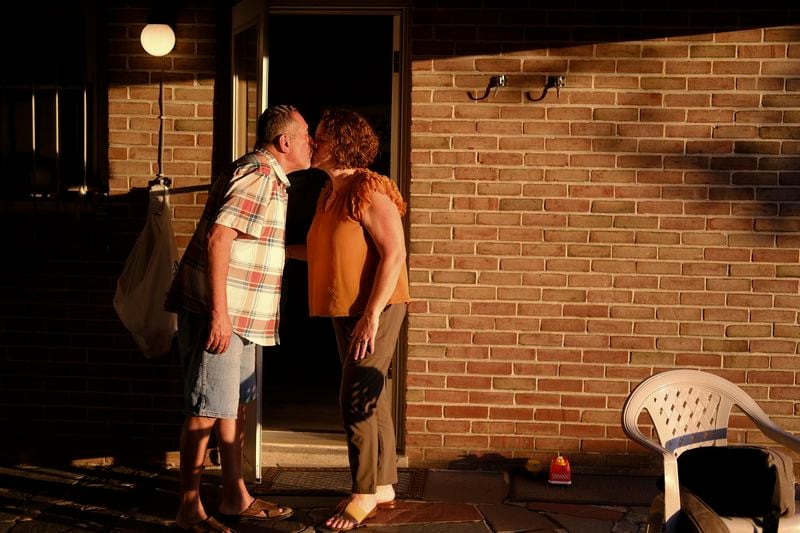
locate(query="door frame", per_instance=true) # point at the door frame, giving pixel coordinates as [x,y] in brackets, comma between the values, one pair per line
[248,13]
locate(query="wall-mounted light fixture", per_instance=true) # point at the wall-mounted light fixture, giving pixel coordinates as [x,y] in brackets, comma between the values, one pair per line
[494,82]
[158,39]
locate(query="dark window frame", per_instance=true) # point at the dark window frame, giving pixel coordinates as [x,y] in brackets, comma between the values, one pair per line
[51,131]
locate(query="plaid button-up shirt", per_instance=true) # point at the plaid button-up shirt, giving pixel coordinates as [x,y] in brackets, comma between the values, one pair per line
[251,198]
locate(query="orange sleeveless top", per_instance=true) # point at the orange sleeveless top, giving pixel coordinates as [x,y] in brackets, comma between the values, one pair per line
[342,259]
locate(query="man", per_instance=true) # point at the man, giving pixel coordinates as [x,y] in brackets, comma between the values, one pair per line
[226,293]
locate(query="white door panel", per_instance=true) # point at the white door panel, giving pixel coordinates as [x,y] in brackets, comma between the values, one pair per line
[249,97]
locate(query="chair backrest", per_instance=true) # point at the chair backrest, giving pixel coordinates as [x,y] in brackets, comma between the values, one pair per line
[688,408]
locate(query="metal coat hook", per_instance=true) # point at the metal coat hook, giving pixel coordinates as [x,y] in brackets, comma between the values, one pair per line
[159,194]
[494,81]
[160,180]
[552,81]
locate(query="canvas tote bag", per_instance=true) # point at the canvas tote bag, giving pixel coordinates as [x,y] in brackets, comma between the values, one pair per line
[148,273]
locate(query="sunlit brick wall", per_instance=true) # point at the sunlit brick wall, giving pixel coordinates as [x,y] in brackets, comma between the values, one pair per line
[191,98]
[562,250]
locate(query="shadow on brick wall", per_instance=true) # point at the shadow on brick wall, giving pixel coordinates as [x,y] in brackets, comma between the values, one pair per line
[73,384]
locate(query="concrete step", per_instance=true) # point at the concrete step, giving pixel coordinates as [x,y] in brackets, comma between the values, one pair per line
[300,448]
[307,449]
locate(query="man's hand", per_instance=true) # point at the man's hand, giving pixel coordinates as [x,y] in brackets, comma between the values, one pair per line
[219,333]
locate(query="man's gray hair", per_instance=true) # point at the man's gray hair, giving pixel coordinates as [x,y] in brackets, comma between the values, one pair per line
[273,121]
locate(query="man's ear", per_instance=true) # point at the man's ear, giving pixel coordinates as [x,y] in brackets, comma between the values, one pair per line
[282,142]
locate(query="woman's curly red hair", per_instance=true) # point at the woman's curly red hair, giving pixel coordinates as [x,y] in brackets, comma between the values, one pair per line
[352,141]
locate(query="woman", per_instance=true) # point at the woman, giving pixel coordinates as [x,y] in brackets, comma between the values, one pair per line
[356,275]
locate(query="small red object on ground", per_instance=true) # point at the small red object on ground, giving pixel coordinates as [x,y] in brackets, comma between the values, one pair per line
[560,473]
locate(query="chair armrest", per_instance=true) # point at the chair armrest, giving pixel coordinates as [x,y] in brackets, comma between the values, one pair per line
[771,430]
[765,424]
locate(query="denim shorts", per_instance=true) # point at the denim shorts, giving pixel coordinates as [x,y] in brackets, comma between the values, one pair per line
[214,385]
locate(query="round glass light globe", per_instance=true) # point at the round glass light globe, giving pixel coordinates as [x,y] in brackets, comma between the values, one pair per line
[158,39]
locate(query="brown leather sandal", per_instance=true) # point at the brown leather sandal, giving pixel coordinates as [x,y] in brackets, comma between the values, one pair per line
[351,512]
[209,525]
[272,511]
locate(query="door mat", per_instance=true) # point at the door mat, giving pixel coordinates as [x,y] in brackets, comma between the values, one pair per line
[333,481]
[585,488]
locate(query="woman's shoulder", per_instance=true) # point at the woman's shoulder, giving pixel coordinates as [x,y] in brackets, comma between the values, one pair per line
[366,181]
[367,176]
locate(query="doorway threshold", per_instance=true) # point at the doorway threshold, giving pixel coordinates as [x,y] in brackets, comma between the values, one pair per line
[308,449]
[303,448]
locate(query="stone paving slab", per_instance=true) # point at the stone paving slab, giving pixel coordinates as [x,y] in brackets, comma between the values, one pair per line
[594,489]
[118,499]
[466,486]
[512,518]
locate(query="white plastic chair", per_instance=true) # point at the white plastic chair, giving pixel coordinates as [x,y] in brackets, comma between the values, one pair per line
[689,409]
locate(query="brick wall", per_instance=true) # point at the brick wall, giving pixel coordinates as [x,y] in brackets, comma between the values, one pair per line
[562,250]
[195,106]
[73,385]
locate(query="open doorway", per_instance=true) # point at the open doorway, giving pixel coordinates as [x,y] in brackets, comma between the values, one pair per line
[318,61]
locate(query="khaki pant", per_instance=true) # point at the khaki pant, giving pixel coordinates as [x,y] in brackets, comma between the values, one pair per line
[366,406]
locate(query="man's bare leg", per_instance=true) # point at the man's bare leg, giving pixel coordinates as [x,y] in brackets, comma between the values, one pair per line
[230,437]
[194,443]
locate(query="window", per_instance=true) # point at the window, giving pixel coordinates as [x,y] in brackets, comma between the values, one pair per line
[48,101]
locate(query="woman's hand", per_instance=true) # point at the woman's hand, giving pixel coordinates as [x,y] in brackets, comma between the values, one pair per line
[362,342]
[296,251]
